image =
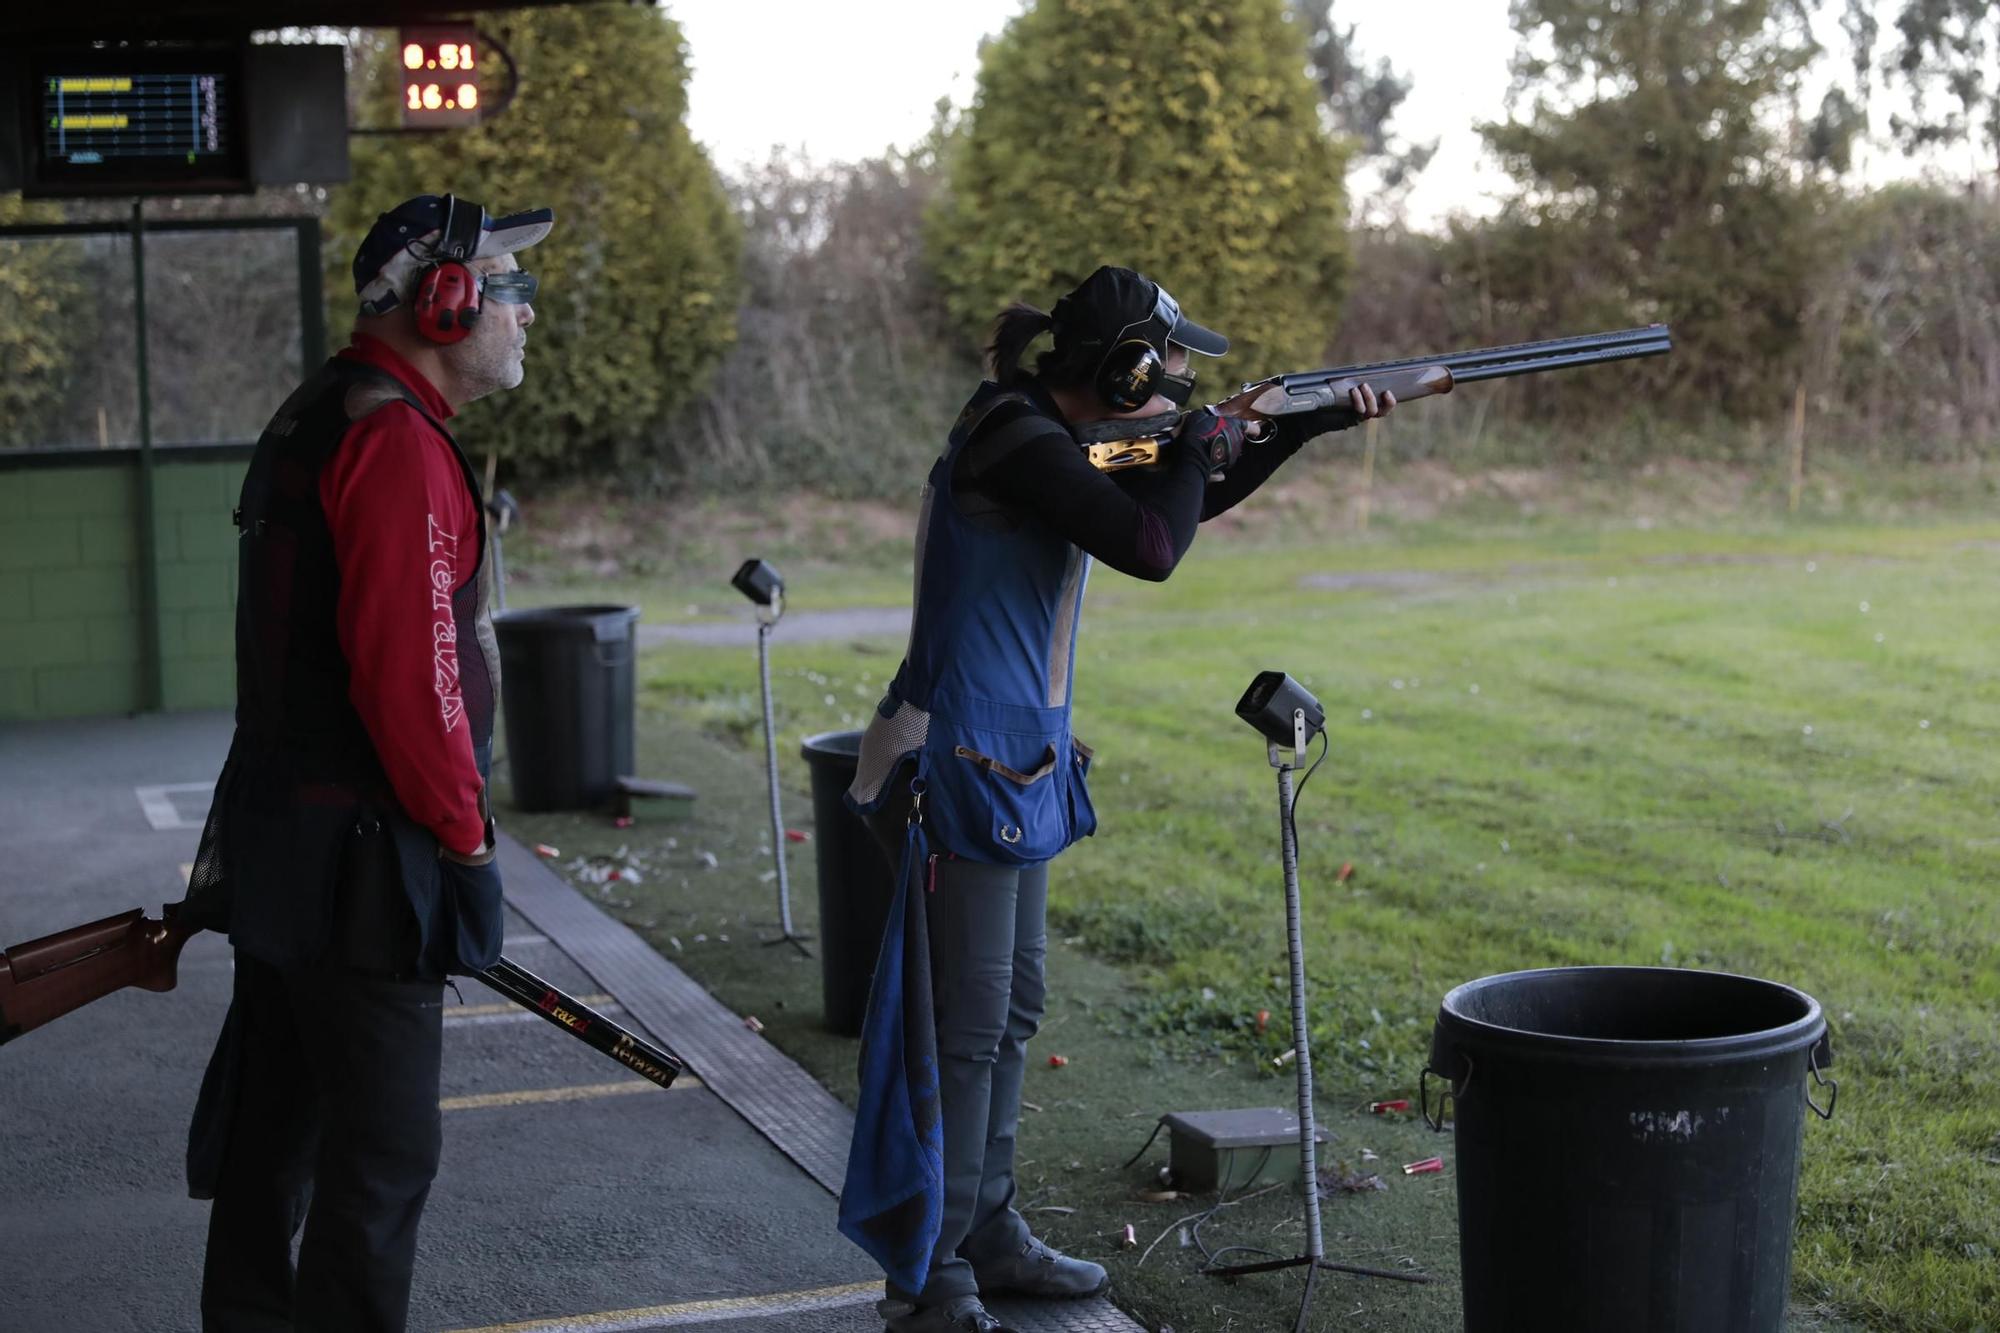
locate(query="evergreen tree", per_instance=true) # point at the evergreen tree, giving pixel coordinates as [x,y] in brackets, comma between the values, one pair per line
[639,278]
[45,325]
[1183,142]
[1653,188]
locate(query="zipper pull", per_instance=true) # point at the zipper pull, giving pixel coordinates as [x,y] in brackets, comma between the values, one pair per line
[931,887]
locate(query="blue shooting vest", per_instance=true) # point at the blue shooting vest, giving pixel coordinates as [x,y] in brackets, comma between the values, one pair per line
[981,703]
[982,699]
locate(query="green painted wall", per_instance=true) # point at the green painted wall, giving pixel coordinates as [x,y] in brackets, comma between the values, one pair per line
[72,633]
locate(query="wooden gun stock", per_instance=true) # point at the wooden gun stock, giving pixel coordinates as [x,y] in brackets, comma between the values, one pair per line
[46,978]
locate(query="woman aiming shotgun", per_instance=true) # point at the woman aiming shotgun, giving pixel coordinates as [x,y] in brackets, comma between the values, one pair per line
[970,777]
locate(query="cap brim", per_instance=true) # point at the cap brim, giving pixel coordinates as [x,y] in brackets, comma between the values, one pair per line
[1195,338]
[516,231]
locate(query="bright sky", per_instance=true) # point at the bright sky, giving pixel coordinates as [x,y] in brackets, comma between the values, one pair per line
[845,81]
[852,79]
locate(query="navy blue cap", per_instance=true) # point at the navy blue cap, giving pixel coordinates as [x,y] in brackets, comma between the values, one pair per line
[411,235]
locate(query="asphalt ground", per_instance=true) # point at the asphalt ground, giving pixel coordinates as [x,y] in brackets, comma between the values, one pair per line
[572,1195]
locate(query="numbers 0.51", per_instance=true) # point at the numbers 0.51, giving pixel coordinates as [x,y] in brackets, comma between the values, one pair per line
[450,55]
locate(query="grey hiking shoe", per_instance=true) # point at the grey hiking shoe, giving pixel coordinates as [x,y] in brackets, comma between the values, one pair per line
[964,1315]
[1037,1270]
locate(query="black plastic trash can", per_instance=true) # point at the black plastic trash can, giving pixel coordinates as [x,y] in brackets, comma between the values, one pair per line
[567,688]
[1627,1143]
[856,883]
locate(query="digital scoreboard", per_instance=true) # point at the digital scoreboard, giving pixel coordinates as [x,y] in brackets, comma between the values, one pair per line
[440,75]
[137,121]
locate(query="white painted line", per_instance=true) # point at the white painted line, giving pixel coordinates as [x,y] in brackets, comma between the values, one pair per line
[158,804]
[697,1312]
[525,941]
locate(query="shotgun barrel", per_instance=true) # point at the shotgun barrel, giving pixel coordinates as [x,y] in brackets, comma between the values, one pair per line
[43,979]
[1117,444]
[1419,376]
[524,988]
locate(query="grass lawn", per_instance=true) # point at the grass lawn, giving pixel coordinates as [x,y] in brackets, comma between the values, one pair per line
[1768,751]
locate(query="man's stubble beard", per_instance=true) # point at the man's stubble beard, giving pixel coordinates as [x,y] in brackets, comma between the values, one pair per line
[488,361]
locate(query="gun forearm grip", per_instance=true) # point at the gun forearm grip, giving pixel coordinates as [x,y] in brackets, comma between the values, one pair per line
[1292,395]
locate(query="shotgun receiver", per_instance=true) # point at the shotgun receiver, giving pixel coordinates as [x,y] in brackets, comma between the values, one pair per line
[1136,442]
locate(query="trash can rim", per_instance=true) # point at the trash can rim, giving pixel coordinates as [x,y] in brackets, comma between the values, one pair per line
[602,622]
[816,747]
[1798,1034]
[542,617]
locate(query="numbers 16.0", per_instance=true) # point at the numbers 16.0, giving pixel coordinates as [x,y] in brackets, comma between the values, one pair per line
[430,97]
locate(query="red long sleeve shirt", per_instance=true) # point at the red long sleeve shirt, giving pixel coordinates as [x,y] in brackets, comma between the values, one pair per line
[406,536]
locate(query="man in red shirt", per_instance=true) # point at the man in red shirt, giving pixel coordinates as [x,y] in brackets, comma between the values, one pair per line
[349,852]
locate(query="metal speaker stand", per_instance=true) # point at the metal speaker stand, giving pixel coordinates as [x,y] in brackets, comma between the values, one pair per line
[767,619]
[1287,760]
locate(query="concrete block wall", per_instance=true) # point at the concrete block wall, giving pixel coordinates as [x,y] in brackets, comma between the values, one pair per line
[197,545]
[72,628]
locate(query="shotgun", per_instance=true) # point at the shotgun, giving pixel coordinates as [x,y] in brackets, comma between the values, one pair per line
[1137,442]
[46,978]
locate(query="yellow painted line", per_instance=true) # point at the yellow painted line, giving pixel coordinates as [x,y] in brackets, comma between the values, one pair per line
[695,1312]
[580,1093]
[508,1007]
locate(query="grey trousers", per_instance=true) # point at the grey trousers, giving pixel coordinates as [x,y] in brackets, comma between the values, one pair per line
[989,946]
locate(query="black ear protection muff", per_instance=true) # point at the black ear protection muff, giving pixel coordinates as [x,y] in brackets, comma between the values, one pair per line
[1130,374]
[446,301]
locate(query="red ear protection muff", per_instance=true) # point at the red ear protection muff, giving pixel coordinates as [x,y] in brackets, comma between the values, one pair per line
[1129,375]
[446,300]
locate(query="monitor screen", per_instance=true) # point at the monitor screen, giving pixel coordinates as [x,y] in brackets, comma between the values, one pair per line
[136,120]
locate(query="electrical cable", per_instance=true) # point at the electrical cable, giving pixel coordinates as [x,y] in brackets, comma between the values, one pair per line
[1299,790]
[1158,1125]
[1223,1201]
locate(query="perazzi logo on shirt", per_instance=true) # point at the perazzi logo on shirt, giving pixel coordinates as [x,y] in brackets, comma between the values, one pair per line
[443,547]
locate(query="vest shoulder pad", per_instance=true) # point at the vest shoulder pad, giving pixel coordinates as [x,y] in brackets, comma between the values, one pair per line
[368,394]
[1008,421]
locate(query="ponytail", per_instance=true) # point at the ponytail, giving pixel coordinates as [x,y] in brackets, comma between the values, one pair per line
[1018,325]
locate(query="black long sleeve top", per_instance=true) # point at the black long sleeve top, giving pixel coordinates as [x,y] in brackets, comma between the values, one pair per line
[1139,521]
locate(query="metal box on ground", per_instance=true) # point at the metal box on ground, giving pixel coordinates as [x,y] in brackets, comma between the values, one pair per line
[1231,1150]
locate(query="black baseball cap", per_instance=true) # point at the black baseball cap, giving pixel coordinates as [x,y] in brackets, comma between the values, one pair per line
[1114,304]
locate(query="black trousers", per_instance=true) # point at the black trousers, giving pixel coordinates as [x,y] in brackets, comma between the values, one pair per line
[333,1122]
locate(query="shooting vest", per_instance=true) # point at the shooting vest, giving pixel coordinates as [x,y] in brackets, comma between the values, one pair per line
[302,774]
[982,699]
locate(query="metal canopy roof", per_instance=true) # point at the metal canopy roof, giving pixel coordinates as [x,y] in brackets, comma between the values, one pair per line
[101,20]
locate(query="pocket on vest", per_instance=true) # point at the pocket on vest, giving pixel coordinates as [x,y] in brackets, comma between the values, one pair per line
[999,797]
